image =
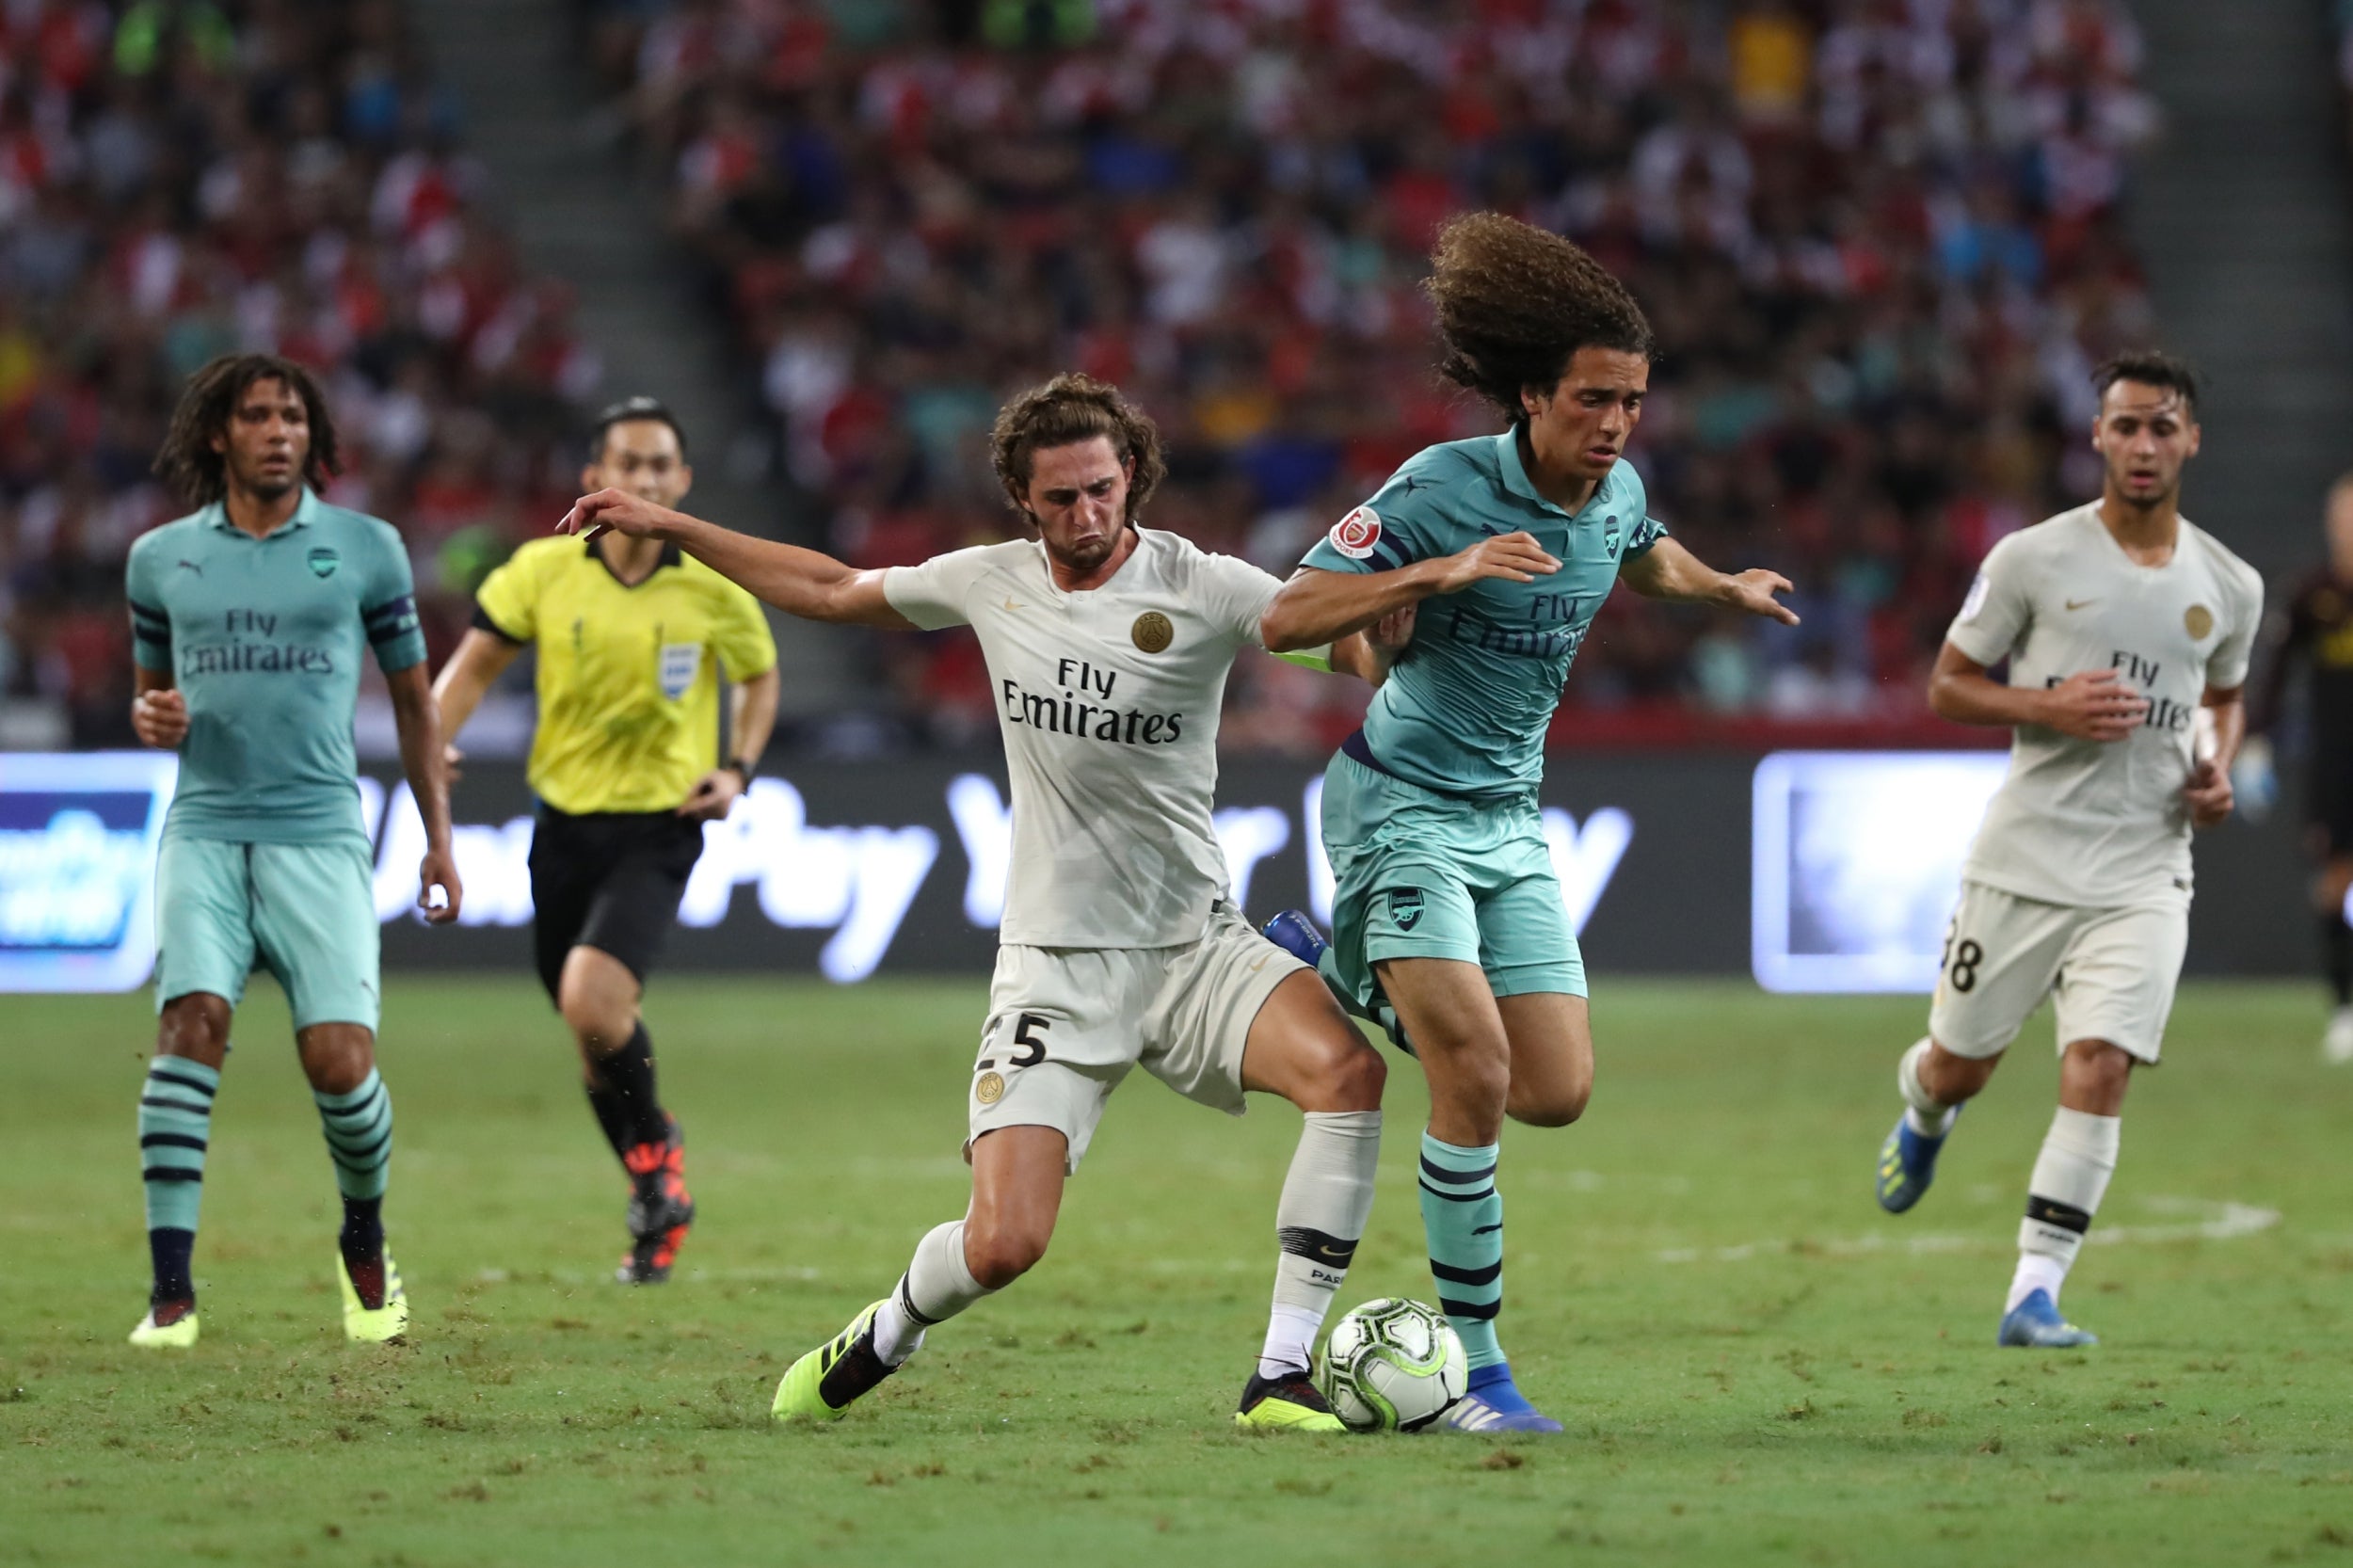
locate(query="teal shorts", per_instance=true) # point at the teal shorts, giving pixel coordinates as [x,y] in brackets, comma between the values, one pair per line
[304,912]
[1421,874]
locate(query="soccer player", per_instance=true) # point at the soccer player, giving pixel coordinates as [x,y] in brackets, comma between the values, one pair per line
[2318,629]
[2121,623]
[1447,921]
[248,621]
[1108,644]
[632,638]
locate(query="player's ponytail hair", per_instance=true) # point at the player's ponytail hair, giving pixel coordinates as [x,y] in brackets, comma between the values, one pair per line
[1069,408]
[1515,303]
[186,463]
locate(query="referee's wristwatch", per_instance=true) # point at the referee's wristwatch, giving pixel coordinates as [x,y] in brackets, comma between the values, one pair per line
[742,769]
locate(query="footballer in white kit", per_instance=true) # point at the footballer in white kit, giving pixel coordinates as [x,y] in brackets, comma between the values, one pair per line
[1108,646]
[2127,631]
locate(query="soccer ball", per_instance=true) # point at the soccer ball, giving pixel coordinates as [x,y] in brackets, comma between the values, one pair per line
[1393,1366]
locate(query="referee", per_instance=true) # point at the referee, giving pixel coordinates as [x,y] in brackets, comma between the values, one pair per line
[632,638]
[2317,630]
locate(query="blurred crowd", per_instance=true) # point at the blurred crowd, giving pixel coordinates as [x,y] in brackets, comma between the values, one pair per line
[179,178]
[1878,238]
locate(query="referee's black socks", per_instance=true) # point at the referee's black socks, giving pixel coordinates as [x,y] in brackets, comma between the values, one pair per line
[621,1092]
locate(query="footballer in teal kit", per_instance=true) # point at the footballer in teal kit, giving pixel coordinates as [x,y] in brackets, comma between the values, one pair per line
[1447,923]
[249,620]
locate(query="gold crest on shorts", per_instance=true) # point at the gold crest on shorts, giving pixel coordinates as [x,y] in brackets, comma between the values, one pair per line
[989,1088]
[2199,620]
[1152,631]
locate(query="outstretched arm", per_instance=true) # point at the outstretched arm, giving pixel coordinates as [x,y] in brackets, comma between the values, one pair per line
[1317,606]
[799,581]
[1667,570]
[422,756]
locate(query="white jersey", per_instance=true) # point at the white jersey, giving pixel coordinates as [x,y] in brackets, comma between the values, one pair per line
[2091,823]
[1107,700]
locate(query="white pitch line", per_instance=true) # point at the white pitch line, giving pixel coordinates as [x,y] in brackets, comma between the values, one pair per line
[2222,1222]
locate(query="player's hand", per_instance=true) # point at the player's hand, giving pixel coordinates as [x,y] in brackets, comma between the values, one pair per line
[438,871]
[2091,705]
[1514,557]
[451,757]
[714,797]
[619,510]
[2208,793]
[1752,590]
[1392,632]
[160,719]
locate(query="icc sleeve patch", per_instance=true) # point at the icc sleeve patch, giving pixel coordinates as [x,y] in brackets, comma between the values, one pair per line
[1355,534]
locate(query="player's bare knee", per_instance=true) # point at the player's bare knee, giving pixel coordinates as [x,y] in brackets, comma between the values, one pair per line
[336,1057]
[999,1254]
[1554,1105]
[2096,1068]
[1351,1077]
[1951,1079]
[194,1026]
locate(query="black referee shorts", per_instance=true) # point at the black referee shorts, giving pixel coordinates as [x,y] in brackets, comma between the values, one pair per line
[608,880]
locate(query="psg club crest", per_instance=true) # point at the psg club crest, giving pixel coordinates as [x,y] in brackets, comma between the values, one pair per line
[1355,534]
[323,562]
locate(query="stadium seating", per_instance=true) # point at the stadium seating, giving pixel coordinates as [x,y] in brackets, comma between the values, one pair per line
[179,178]
[1879,237]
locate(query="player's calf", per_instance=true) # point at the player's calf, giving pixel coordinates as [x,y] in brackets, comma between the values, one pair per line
[1935,1083]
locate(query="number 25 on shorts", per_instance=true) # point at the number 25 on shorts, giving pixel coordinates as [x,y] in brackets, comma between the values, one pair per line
[1029,1031]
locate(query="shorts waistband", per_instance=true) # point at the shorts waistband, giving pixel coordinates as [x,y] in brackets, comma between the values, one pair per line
[1358,749]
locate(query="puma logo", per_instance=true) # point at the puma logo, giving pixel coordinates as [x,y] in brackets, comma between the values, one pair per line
[192,567]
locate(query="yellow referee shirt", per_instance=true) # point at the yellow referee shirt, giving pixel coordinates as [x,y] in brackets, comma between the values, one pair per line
[629,677]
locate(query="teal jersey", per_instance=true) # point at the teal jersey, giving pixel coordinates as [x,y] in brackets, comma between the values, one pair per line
[1466,706]
[263,637]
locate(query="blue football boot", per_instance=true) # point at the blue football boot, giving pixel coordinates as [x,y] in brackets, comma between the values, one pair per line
[1296,935]
[1908,1163]
[2035,1325]
[1494,1403]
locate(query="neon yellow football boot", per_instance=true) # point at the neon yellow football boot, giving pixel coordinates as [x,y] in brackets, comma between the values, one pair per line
[821,1385]
[380,1325]
[177,1335]
[1288,1403]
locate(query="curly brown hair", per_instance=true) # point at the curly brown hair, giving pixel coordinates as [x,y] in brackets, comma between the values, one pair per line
[1075,408]
[186,463]
[1515,303]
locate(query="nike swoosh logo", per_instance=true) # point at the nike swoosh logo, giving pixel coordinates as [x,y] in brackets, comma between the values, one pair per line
[2079,604]
[1259,965]
[1011,605]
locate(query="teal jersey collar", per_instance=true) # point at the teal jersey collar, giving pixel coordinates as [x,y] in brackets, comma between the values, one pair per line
[1515,478]
[306,511]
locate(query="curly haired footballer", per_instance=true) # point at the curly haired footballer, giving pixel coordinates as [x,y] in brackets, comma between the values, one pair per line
[1515,303]
[188,462]
[1075,408]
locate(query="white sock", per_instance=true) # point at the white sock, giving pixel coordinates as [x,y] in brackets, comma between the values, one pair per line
[936,1286]
[2071,1175]
[1327,1197]
[1928,1117]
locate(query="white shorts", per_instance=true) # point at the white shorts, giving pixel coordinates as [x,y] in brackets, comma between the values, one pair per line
[1066,1024]
[2112,972]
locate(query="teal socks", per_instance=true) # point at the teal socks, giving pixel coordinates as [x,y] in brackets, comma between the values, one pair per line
[359,1127]
[1463,1216]
[175,1130]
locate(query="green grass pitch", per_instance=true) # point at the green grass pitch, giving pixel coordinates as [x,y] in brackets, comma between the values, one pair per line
[1754,1364]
